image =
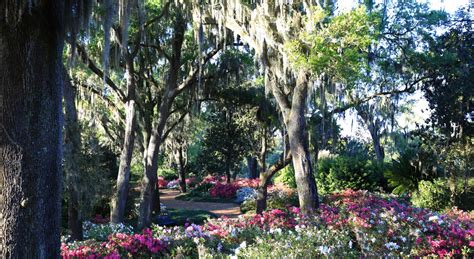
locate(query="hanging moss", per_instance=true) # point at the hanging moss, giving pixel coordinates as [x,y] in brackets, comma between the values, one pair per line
[107,26]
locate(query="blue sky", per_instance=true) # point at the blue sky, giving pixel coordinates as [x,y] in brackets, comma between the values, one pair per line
[447,5]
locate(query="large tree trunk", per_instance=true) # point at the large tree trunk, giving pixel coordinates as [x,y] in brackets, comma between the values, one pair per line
[119,200]
[149,196]
[262,194]
[298,138]
[31,85]
[72,158]
[294,116]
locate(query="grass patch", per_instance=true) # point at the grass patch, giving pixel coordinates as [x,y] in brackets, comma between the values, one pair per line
[181,216]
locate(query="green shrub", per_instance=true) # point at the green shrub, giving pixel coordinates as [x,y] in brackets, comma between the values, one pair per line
[204,187]
[466,198]
[277,199]
[344,172]
[101,232]
[432,195]
[412,166]
[286,176]
[167,173]
[201,192]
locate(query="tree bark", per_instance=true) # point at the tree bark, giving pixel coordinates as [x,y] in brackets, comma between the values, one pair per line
[181,169]
[228,174]
[72,158]
[252,167]
[298,138]
[262,194]
[117,210]
[31,84]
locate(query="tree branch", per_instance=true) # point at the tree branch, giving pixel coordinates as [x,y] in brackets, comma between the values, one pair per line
[158,48]
[194,71]
[158,17]
[85,58]
[168,131]
[408,89]
[280,164]
[98,93]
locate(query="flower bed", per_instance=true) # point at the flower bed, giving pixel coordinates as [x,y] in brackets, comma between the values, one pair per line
[348,224]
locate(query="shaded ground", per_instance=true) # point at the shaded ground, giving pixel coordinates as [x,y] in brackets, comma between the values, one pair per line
[167,197]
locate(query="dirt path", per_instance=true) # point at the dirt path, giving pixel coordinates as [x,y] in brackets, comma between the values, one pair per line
[167,197]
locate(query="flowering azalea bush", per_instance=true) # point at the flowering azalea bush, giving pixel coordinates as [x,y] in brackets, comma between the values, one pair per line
[220,190]
[218,187]
[246,182]
[162,183]
[118,244]
[226,190]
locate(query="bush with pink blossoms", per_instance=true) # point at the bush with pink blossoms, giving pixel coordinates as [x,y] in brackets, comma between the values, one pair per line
[225,191]
[162,183]
[247,182]
[118,245]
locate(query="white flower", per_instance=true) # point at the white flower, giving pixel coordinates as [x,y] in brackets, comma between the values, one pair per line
[433,218]
[403,239]
[299,228]
[276,230]
[350,244]
[373,240]
[391,245]
[243,244]
[324,249]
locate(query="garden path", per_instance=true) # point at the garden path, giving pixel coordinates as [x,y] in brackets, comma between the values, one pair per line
[168,198]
